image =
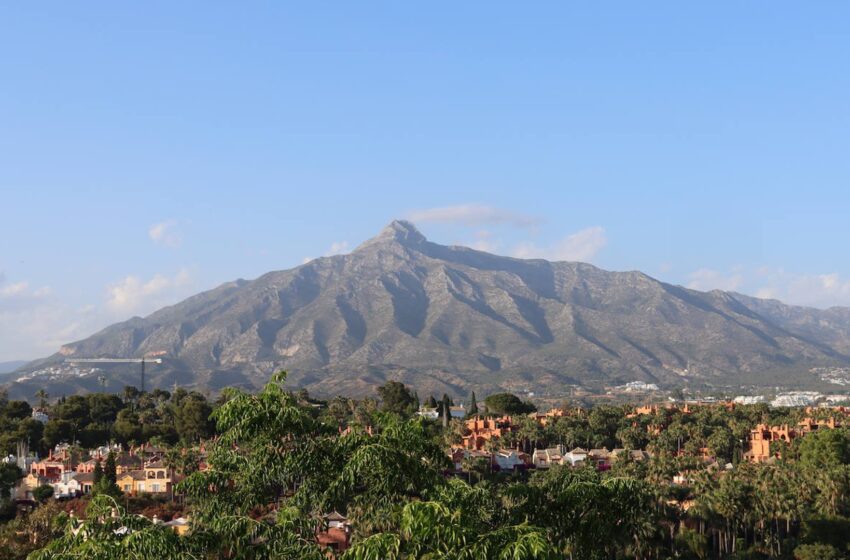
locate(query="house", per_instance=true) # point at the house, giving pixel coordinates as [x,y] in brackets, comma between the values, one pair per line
[128,482]
[510,459]
[103,451]
[808,425]
[481,430]
[545,458]
[762,436]
[85,481]
[88,466]
[544,418]
[574,458]
[50,468]
[68,487]
[460,454]
[458,412]
[602,458]
[636,455]
[126,463]
[429,413]
[335,532]
[158,478]
[40,415]
[25,486]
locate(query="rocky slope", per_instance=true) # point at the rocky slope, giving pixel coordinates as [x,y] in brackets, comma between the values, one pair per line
[455,319]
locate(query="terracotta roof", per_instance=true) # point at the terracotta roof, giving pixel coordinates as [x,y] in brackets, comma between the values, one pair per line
[335,516]
[84,477]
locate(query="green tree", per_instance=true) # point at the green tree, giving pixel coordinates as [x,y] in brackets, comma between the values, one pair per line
[507,403]
[43,493]
[817,552]
[109,469]
[825,448]
[9,475]
[193,418]
[42,397]
[97,475]
[397,398]
[473,406]
[431,530]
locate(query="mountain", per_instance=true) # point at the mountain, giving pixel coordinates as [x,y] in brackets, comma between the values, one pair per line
[9,367]
[452,319]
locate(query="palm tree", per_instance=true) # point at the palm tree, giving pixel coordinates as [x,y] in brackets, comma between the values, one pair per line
[42,398]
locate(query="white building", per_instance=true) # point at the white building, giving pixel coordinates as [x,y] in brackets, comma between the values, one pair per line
[575,457]
[429,413]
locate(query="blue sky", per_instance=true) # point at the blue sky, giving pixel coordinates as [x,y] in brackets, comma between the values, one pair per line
[149,151]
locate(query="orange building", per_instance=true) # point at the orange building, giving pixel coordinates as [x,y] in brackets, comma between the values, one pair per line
[762,436]
[481,430]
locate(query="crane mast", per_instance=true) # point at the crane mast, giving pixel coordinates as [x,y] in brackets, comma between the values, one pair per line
[141,361]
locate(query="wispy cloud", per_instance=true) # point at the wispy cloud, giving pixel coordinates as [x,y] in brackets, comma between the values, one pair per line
[706,279]
[336,248]
[35,322]
[134,295]
[166,234]
[812,290]
[582,245]
[473,215]
[816,290]
[484,241]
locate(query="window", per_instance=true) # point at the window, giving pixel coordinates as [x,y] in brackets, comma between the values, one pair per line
[155,487]
[126,487]
[141,487]
[160,474]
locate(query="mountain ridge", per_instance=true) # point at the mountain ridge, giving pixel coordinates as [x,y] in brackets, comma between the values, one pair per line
[454,319]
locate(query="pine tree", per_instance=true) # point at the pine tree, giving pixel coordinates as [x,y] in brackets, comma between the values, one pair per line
[109,471]
[431,402]
[473,406]
[446,405]
[98,473]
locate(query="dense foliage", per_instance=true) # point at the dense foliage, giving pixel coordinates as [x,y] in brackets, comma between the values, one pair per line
[96,418]
[279,463]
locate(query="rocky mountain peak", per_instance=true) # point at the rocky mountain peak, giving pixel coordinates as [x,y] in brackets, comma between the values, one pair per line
[402,232]
[453,320]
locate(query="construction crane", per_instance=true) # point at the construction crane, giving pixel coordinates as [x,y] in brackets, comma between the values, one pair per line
[142,361]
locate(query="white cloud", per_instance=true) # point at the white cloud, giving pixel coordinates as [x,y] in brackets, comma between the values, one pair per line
[811,290]
[133,295]
[338,248]
[32,322]
[35,322]
[166,234]
[484,241]
[11,290]
[582,245]
[706,279]
[472,215]
[815,290]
